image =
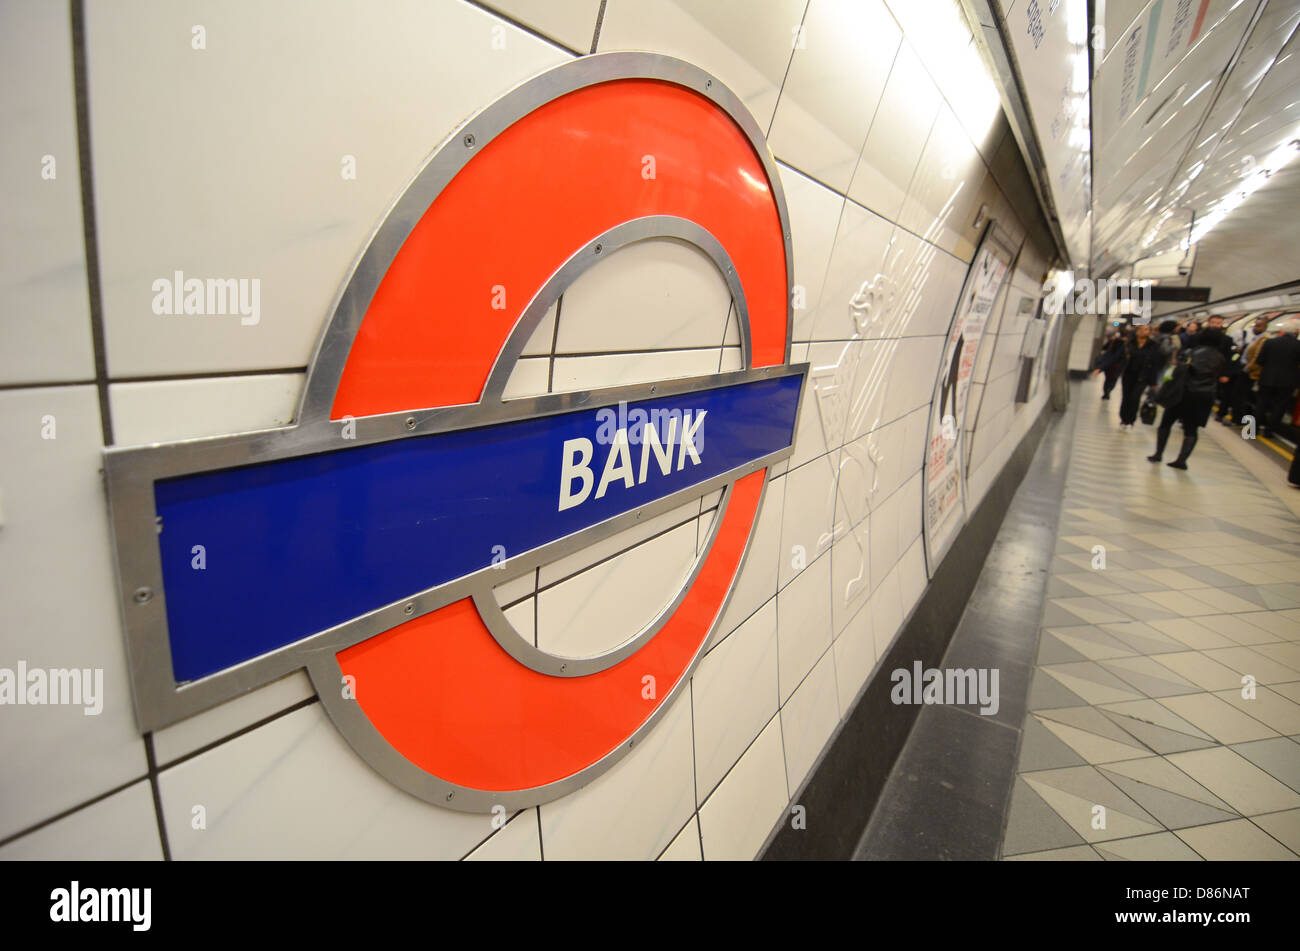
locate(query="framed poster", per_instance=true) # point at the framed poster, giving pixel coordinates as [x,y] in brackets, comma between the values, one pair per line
[945,484]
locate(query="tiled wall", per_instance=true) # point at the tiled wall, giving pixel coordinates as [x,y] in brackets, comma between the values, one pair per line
[226,160]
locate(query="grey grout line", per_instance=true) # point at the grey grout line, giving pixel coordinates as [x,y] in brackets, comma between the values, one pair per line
[600,22]
[98,798]
[789,64]
[81,83]
[520,25]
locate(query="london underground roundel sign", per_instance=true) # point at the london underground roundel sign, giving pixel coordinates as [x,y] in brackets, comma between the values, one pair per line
[363,542]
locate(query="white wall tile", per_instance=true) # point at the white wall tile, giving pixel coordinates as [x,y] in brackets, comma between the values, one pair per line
[734,693]
[814,218]
[571,22]
[542,340]
[808,719]
[945,191]
[58,607]
[636,809]
[867,387]
[942,37]
[826,400]
[807,519]
[856,259]
[756,582]
[898,133]
[911,576]
[519,840]
[855,658]
[686,847]
[619,369]
[531,376]
[921,287]
[45,327]
[224,719]
[250,155]
[169,410]
[654,293]
[850,573]
[732,821]
[886,613]
[803,617]
[523,618]
[606,605]
[884,539]
[832,88]
[860,466]
[121,827]
[293,789]
[627,538]
[910,502]
[516,588]
[747,46]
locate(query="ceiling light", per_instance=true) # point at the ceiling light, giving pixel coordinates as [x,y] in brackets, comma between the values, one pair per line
[1188,100]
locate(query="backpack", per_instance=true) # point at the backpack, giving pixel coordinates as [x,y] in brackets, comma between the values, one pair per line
[1205,364]
[1174,387]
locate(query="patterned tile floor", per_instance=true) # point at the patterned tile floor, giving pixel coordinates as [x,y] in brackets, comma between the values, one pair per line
[1136,703]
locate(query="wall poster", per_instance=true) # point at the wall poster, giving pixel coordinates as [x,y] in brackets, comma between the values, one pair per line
[945,486]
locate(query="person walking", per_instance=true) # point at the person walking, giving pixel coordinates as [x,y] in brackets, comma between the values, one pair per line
[1143,365]
[1279,363]
[1111,362]
[1197,373]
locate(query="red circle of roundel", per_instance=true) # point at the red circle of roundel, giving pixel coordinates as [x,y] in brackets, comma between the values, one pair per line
[439,688]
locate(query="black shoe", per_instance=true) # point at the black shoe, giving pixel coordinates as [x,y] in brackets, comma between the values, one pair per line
[1153,458]
[1105,396]
[1176,464]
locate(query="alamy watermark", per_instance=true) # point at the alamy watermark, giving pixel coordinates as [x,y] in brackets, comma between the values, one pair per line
[211,297]
[1107,298]
[954,686]
[56,686]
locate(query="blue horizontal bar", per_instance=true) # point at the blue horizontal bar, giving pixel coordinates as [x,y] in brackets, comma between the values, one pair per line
[295,546]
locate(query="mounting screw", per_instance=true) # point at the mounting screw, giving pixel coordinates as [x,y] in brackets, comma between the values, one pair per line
[563,666]
[409,609]
[143,595]
[410,422]
[450,795]
[708,84]
[469,144]
[654,388]
[599,248]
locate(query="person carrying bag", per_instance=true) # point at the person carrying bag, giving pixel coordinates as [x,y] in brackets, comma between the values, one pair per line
[1188,393]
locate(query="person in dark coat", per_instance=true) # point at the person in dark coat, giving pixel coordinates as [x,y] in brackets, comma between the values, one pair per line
[1279,362]
[1205,368]
[1143,364]
[1111,362]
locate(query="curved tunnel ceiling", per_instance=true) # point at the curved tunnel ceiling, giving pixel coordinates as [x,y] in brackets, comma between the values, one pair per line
[1195,104]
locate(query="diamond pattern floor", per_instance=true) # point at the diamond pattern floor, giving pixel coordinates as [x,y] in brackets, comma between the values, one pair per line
[1167,590]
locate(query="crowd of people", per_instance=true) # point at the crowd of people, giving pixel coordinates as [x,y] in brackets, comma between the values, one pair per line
[1194,371]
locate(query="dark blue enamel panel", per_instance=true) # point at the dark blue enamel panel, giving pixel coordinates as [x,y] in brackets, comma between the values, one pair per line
[296,546]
